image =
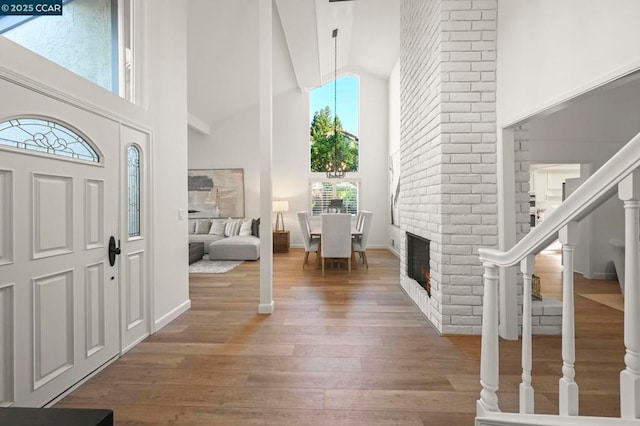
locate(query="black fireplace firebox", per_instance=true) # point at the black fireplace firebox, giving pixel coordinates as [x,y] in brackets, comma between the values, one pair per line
[418,258]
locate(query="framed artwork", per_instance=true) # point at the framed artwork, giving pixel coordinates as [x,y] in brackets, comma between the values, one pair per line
[394,188]
[216,193]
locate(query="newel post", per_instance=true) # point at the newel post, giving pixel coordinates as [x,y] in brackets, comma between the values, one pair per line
[527,267]
[629,192]
[489,355]
[568,388]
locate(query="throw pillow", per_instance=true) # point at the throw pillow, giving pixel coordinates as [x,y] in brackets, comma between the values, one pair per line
[203,226]
[232,228]
[218,226]
[255,227]
[245,228]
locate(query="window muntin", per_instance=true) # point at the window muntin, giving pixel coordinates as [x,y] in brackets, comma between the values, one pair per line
[133,191]
[46,136]
[325,190]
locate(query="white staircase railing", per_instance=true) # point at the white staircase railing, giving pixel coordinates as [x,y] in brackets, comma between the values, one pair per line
[619,173]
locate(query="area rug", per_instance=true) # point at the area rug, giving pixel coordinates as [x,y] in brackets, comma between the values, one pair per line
[206,266]
[612,300]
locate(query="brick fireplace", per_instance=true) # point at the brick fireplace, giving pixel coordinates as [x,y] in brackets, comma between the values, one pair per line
[448,154]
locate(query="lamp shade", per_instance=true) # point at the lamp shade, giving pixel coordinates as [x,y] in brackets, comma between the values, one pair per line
[280,206]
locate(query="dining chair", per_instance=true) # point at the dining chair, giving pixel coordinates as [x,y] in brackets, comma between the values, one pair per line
[336,238]
[360,244]
[310,244]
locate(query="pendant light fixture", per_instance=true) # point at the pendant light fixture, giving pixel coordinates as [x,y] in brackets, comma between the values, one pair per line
[336,169]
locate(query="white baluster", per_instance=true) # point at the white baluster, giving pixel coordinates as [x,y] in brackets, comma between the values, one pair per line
[629,192]
[526,390]
[568,387]
[489,355]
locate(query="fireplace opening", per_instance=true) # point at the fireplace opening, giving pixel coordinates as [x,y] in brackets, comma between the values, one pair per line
[418,258]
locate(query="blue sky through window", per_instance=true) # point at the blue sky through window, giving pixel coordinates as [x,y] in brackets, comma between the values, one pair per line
[348,98]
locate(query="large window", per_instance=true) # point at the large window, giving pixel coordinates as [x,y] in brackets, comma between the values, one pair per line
[335,196]
[91,38]
[336,141]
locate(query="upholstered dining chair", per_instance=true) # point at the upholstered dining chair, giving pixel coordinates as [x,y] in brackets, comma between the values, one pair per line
[336,238]
[310,244]
[360,244]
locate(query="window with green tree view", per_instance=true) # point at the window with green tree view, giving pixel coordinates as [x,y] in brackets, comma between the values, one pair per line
[334,140]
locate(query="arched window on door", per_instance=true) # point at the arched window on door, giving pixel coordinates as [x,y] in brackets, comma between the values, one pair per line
[46,136]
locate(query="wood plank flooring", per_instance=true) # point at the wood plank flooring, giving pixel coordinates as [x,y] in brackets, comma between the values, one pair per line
[340,350]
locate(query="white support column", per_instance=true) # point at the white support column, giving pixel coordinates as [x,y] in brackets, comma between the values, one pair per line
[265,24]
[507,232]
[527,267]
[568,388]
[629,192]
[489,352]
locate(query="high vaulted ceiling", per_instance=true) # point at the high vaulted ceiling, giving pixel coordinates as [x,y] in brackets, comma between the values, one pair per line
[222,44]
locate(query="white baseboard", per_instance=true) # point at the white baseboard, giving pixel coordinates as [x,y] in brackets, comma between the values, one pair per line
[171,315]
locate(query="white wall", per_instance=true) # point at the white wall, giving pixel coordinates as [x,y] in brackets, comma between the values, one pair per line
[551,49]
[167,99]
[291,156]
[166,118]
[395,234]
[234,143]
[589,131]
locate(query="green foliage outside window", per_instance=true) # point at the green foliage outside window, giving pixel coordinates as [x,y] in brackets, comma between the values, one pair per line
[325,149]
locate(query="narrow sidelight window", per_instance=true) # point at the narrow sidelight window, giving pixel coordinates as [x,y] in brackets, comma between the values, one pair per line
[133,188]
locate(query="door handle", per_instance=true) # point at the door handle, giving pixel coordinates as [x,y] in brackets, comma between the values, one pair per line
[113,250]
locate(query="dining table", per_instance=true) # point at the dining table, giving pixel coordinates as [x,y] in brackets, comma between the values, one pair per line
[316,231]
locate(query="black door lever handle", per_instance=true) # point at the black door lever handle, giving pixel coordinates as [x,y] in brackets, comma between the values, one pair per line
[113,250]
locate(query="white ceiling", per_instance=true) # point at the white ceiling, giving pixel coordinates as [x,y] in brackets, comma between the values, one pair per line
[222,48]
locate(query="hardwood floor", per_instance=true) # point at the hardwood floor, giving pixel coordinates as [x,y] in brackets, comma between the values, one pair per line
[340,350]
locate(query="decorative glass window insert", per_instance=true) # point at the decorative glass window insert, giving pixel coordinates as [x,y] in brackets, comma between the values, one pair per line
[133,191]
[46,136]
[335,196]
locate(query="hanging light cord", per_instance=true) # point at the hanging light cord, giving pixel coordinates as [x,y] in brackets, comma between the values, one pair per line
[335,102]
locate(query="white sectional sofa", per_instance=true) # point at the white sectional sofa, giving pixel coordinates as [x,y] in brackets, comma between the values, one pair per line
[227,239]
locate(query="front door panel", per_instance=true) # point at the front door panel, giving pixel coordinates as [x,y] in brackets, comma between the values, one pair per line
[58,295]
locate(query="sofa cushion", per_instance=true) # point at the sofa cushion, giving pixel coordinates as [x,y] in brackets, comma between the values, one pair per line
[232,227]
[206,239]
[245,228]
[203,226]
[192,226]
[217,227]
[235,248]
[255,227]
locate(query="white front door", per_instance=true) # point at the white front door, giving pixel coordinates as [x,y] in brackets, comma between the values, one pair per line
[58,293]
[134,238]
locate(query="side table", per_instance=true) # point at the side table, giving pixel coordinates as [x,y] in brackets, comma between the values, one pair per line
[281,241]
[196,251]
